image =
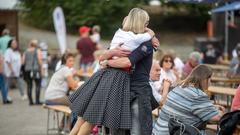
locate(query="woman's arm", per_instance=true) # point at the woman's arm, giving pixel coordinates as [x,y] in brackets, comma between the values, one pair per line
[72,84]
[166,86]
[10,67]
[8,61]
[39,57]
[220,113]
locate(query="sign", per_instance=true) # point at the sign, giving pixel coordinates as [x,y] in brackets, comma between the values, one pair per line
[60,28]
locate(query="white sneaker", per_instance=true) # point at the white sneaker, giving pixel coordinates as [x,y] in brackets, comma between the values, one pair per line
[9,98]
[24,97]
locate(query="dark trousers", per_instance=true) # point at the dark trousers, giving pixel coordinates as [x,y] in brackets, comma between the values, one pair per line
[29,81]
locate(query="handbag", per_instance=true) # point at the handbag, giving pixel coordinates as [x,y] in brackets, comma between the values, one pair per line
[228,123]
[176,127]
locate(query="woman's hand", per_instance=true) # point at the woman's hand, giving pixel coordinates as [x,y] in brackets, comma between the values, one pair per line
[155,42]
[151,32]
[220,108]
[103,64]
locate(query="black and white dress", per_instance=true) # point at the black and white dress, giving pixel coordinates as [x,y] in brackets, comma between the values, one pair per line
[104,99]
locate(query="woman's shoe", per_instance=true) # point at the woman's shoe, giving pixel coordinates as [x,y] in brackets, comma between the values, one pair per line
[7,102]
[38,103]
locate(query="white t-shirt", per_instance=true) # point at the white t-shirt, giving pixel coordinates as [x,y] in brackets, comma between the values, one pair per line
[130,40]
[14,58]
[155,92]
[58,86]
[178,65]
[169,75]
[95,37]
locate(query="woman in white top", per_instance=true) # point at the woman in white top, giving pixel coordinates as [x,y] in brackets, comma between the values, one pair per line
[168,77]
[13,63]
[131,39]
[61,81]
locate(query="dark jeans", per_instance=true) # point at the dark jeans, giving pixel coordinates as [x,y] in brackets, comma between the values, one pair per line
[29,81]
[3,87]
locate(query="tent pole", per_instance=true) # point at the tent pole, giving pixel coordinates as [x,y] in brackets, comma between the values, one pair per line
[226,36]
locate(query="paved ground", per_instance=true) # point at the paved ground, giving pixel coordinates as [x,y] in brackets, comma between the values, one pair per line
[21,119]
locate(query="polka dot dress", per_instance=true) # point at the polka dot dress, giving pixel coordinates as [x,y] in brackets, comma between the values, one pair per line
[104,99]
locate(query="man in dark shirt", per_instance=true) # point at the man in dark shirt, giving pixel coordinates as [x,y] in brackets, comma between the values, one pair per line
[86,47]
[141,92]
[211,55]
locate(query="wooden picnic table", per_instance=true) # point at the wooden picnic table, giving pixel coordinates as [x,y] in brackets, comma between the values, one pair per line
[225,80]
[219,70]
[222,90]
[219,67]
[59,108]
[229,92]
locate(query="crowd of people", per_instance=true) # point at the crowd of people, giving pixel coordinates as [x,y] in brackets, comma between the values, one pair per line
[130,80]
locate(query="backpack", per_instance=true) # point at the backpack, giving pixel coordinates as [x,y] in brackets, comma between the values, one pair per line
[228,123]
[177,127]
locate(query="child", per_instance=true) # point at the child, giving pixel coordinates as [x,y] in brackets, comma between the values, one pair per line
[96,34]
[105,98]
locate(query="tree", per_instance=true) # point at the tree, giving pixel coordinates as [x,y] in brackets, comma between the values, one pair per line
[106,13]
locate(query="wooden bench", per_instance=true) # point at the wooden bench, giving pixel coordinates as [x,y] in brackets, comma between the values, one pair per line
[225,91]
[56,110]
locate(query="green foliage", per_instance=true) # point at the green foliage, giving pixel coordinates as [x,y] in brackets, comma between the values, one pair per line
[106,13]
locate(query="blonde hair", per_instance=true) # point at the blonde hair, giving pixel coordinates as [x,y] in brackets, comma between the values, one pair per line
[96,28]
[198,76]
[33,43]
[136,21]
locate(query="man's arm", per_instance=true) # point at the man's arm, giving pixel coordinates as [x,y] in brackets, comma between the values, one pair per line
[118,51]
[123,62]
[133,58]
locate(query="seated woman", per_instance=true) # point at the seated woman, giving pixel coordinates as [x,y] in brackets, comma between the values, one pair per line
[189,104]
[236,100]
[168,78]
[61,81]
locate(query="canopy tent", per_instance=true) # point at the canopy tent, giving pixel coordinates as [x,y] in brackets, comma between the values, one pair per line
[234,5]
[227,7]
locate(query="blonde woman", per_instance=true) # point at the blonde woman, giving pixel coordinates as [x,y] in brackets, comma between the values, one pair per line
[189,104]
[32,59]
[105,98]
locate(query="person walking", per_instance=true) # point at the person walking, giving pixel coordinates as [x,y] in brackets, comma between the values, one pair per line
[32,59]
[4,39]
[86,47]
[3,87]
[13,63]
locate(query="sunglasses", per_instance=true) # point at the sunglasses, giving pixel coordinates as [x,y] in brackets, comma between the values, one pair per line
[168,61]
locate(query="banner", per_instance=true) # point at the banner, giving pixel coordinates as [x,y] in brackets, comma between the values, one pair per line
[60,28]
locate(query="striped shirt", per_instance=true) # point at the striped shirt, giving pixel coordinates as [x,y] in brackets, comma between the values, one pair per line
[189,105]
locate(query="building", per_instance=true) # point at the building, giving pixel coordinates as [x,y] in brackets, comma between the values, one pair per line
[9,16]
